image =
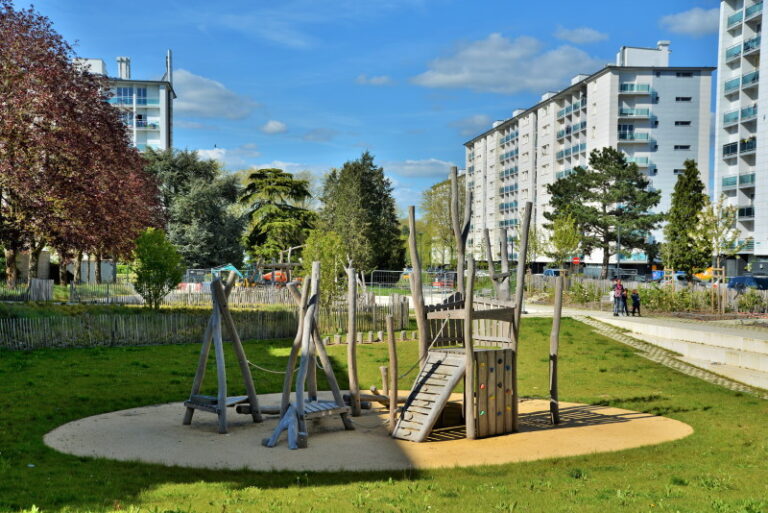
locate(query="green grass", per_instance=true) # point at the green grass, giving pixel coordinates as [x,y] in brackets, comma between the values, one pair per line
[720,468]
[31,310]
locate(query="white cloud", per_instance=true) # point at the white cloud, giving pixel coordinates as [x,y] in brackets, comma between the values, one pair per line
[472,125]
[202,97]
[274,127]
[695,22]
[419,168]
[379,80]
[231,157]
[320,135]
[189,124]
[500,65]
[580,35]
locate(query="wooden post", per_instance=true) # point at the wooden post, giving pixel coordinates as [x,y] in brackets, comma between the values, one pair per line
[242,360]
[554,345]
[460,228]
[392,373]
[296,347]
[489,259]
[354,386]
[521,263]
[504,252]
[416,290]
[221,368]
[469,373]
[384,371]
[306,361]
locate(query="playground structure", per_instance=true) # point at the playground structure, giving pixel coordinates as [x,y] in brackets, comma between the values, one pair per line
[462,338]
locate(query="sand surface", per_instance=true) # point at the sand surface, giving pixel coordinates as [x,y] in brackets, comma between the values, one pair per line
[155,434]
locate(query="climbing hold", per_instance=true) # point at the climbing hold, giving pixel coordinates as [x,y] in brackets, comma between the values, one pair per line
[490,369]
[482,412]
[500,361]
[500,385]
[509,408]
[482,364]
[509,391]
[498,413]
[491,398]
[482,386]
[507,367]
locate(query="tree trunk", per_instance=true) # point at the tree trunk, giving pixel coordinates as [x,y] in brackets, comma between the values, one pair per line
[34,260]
[11,274]
[606,259]
[98,267]
[78,264]
[62,268]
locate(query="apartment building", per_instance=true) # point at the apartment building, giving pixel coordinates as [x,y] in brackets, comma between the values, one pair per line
[657,114]
[741,137]
[146,106]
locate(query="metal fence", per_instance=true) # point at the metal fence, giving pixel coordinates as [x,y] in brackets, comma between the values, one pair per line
[36,290]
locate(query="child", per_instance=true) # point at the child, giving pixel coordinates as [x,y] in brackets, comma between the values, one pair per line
[635,303]
[624,309]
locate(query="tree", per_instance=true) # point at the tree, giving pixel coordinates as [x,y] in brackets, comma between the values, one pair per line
[63,149]
[177,172]
[609,198]
[688,199]
[536,243]
[435,205]
[276,222]
[358,205]
[715,231]
[156,266]
[327,248]
[565,239]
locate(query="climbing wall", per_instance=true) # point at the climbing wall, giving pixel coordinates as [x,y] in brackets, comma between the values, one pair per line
[494,391]
[433,386]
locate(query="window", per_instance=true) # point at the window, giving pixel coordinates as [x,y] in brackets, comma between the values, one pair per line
[679,171]
[683,99]
[682,146]
[684,74]
[658,73]
[655,123]
[682,123]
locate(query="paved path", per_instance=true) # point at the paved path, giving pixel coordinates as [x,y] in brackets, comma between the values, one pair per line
[701,334]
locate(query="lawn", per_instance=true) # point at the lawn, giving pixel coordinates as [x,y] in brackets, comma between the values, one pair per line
[720,468]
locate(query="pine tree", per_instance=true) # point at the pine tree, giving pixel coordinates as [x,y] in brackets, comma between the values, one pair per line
[681,252]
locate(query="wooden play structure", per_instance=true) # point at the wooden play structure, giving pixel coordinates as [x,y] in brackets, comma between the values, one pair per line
[294,414]
[474,340]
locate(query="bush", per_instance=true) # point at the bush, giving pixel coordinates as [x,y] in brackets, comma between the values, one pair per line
[157,267]
[583,293]
[751,301]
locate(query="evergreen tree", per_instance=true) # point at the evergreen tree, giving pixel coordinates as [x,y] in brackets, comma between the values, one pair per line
[358,205]
[681,251]
[610,197]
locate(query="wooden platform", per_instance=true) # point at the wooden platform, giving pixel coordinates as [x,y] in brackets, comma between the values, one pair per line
[210,403]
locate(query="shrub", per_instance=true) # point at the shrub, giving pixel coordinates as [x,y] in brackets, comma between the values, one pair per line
[156,265]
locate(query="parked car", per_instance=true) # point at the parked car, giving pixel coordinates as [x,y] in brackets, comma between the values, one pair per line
[742,283]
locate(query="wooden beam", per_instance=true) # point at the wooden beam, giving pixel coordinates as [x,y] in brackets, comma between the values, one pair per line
[469,372]
[392,373]
[416,288]
[521,263]
[295,349]
[354,386]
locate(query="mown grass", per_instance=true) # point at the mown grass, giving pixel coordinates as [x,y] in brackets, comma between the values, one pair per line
[33,310]
[720,468]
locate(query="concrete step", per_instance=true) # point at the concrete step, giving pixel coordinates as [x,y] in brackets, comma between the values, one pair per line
[747,376]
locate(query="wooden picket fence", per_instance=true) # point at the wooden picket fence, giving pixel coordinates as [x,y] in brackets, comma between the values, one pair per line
[149,328]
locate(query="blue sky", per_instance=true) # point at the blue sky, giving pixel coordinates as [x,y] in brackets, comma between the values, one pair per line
[309,84]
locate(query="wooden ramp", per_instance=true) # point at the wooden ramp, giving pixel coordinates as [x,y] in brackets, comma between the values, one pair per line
[438,377]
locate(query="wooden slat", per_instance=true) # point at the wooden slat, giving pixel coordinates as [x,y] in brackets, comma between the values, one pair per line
[499,314]
[481,414]
[500,360]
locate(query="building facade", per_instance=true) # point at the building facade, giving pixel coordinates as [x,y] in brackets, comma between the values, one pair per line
[657,114]
[146,106]
[741,137]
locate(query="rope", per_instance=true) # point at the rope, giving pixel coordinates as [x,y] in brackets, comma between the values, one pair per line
[266,370]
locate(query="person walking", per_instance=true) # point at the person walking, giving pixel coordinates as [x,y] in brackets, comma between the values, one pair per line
[635,303]
[618,291]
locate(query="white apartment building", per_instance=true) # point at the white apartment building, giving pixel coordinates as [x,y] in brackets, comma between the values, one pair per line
[657,114]
[741,137]
[146,106]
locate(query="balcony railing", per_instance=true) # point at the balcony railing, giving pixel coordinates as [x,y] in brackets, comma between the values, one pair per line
[147,124]
[128,100]
[731,117]
[753,10]
[634,136]
[733,52]
[507,206]
[752,44]
[512,171]
[729,182]
[639,161]
[747,179]
[635,88]
[564,173]
[746,213]
[730,149]
[508,189]
[733,19]
[732,85]
[748,146]
[508,222]
[750,79]
[634,113]
[748,113]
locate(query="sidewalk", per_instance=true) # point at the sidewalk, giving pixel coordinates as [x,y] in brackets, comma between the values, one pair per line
[736,352]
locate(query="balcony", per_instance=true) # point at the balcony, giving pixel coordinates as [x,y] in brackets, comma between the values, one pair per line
[746,213]
[729,182]
[731,118]
[747,246]
[750,80]
[150,125]
[634,113]
[733,19]
[507,223]
[752,45]
[749,113]
[512,171]
[732,86]
[748,146]
[753,10]
[128,100]
[747,181]
[508,189]
[730,150]
[638,161]
[630,88]
[634,137]
[733,52]
[510,205]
